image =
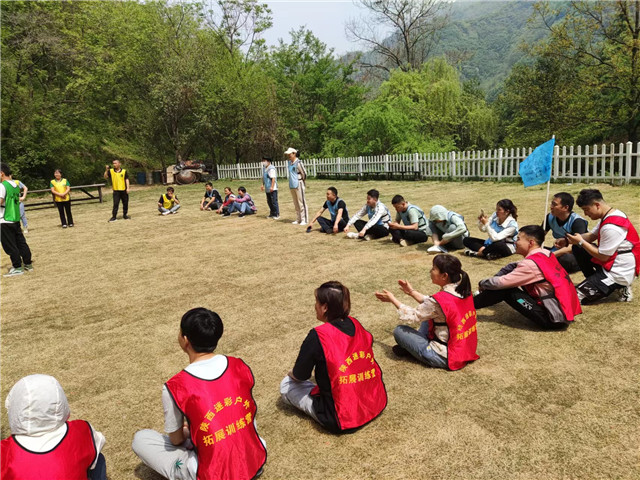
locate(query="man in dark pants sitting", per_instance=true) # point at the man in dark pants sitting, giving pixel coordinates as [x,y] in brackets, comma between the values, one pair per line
[537,287]
[410,226]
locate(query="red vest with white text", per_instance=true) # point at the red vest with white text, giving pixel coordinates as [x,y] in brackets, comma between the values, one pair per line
[356,379]
[461,321]
[563,290]
[632,236]
[221,414]
[69,460]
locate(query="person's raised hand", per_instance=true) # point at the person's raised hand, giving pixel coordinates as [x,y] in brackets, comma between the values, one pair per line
[405,286]
[385,296]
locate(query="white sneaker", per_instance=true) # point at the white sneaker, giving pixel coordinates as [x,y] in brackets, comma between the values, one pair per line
[403,242]
[366,238]
[276,218]
[25,230]
[352,235]
[302,223]
[166,213]
[295,223]
[14,271]
[625,294]
[436,249]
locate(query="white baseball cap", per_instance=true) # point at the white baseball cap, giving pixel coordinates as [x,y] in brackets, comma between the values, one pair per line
[290,150]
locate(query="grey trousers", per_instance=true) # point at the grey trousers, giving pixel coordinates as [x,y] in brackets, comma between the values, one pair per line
[159,454]
[297,395]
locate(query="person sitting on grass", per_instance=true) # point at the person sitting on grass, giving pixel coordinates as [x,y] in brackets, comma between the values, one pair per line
[447,336]
[615,262]
[349,392]
[44,443]
[168,202]
[243,204]
[229,198]
[212,199]
[379,218]
[536,287]
[214,394]
[410,225]
[447,228]
[337,210]
[561,221]
[502,229]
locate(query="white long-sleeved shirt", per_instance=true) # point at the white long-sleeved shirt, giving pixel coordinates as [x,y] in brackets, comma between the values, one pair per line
[381,212]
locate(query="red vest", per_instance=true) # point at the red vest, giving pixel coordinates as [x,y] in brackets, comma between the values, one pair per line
[461,321]
[220,414]
[564,292]
[69,460]
[632,236]
[356,379]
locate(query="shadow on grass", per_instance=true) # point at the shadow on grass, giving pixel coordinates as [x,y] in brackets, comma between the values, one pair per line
[145,473]
[505,315]
[291,411]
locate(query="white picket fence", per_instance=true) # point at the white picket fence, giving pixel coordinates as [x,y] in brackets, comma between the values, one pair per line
[597,163]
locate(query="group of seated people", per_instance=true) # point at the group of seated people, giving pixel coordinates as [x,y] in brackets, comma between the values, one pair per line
[209,410]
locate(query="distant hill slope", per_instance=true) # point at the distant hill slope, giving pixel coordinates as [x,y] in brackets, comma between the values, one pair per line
[485,38]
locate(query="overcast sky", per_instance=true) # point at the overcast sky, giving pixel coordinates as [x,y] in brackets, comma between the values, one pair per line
[325,18]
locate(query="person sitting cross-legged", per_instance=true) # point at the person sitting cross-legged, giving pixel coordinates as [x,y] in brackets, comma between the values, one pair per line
[561,221]
[379,218]
[502,229]
[44,443]
[229,198]
[536,287]
[242,204]
[338,211]
[214,394]
[447,228]
[410,225]
[168,202]
[447,336]
[212,199]
[614,263]
[349,392]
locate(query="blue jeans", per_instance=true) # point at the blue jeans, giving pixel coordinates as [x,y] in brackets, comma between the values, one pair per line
[23,216]
[242,207]
[418,345]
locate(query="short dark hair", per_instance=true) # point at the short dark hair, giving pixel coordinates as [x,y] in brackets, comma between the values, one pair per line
[268,159]
[208,184]
[203,328]
[58,170]
[373,193]
[242,189]
[6,169]
[589,196]
[337,299]
[508,205]
[334,190]
[170,189]
[566,199]
[534,231]
[397,199]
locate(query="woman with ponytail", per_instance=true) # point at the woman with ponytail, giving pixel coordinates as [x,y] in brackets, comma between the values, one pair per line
[447,336]
[349,391]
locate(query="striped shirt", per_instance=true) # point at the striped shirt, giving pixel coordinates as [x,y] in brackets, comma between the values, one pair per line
[381,212]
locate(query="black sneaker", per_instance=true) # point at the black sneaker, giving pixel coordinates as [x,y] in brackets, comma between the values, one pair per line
[112,219]
[226,214]
[399,351]
[126,217]
[241,215]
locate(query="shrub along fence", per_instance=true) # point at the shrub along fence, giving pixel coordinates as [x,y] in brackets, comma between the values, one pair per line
[597,163]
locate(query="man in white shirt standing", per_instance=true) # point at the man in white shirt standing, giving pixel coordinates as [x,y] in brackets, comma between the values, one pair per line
[614,262]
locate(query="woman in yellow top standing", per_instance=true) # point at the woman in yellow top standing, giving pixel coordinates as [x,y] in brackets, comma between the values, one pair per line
[60,188]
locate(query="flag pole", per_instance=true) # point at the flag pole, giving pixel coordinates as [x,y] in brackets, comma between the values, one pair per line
[546,202]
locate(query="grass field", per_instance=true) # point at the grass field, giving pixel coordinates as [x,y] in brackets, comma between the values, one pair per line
[102,308]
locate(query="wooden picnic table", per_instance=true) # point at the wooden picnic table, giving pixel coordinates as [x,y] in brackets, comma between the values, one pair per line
[51,203]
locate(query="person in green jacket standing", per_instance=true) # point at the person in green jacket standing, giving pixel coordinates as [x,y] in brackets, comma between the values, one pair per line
[13,241]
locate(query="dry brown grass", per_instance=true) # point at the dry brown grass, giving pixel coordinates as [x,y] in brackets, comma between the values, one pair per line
[101,313]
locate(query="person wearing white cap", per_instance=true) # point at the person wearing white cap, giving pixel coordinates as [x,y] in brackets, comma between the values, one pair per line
[297,178]
[44,443]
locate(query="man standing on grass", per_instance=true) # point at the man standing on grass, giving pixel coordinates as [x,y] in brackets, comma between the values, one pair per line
[613,263]
[536,287]
[120,183]
[270,187]
[13,241]
[297,178]
[410,226]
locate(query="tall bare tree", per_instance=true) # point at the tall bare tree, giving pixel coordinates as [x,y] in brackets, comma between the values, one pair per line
[400,33]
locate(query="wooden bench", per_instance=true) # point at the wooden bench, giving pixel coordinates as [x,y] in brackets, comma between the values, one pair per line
[51,203]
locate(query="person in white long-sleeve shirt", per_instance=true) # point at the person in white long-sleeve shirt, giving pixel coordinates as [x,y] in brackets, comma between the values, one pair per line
[502,229]
[379,218]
